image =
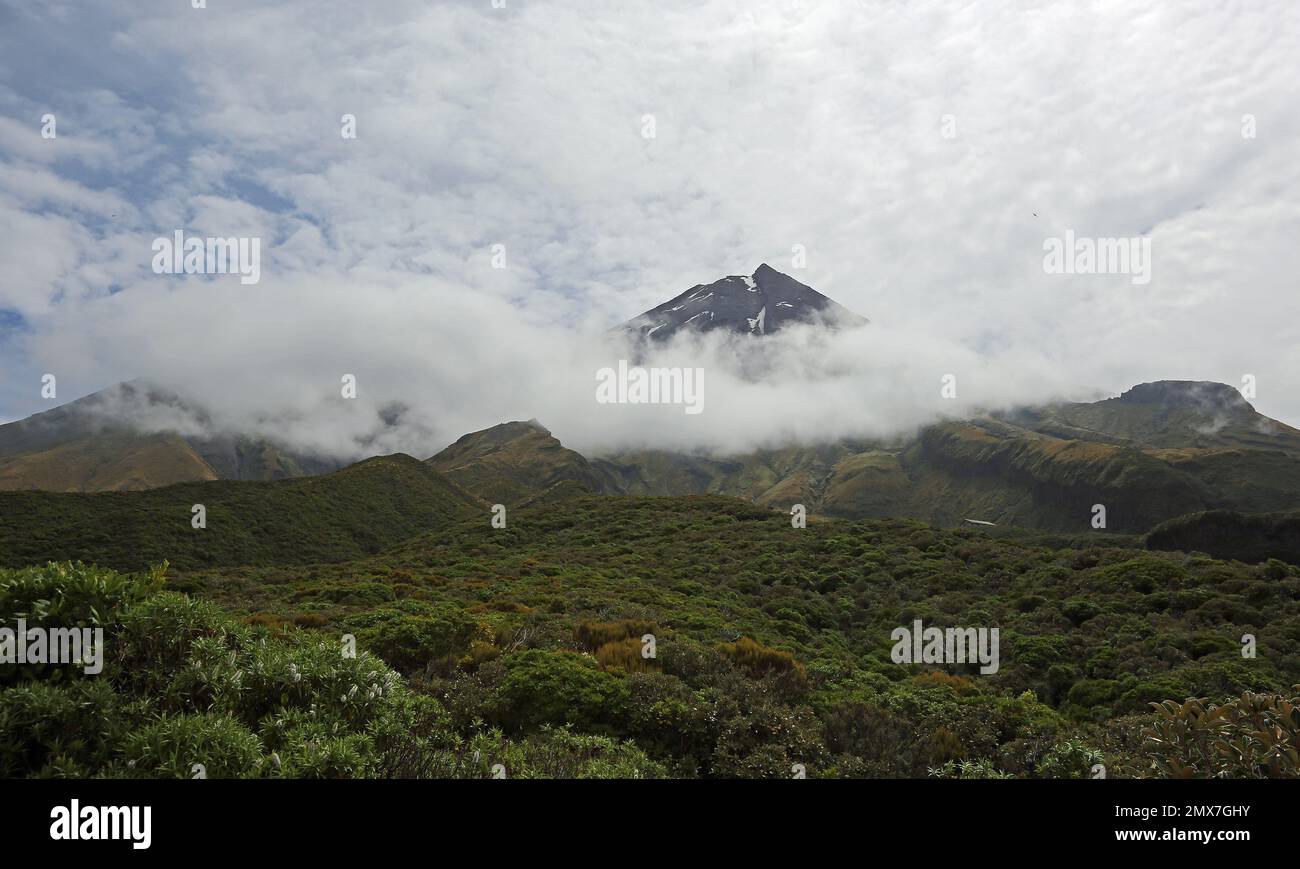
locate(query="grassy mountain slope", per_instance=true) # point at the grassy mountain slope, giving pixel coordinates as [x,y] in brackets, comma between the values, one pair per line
[106,463]
[1159,451]
[993,472]
[512,462]
[988,470]
[1168,414]
[336,517]
[93,445]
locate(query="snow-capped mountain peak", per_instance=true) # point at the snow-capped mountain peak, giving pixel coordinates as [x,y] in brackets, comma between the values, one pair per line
[758,304]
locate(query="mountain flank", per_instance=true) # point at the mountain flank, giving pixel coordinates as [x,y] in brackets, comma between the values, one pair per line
[513,462]
[95,444]
[336,517]
[1160,451]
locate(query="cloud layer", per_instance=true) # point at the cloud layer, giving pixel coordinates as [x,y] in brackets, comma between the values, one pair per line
[919,154]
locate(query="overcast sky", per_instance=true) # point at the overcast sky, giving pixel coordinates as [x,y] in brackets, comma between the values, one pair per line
[919,153]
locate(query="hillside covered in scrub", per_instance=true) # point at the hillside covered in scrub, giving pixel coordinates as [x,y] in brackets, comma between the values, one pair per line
[524,646]
[336,517]
[1250,537]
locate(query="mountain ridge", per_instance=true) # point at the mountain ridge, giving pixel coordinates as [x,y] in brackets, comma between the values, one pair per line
[989,469]
[1157,451]
[91,444]
[512,462]
[758,304]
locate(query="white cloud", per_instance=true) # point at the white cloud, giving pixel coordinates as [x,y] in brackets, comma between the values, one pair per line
[777,124]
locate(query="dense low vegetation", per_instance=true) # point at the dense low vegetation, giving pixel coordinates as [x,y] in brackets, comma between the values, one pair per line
[530,647]
[338,517]
[187,691]
[1249,537]
[1251,736]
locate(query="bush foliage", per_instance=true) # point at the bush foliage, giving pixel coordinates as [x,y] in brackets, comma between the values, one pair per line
[519,651]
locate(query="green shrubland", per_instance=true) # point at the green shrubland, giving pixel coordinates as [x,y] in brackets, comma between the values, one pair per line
[523,647]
